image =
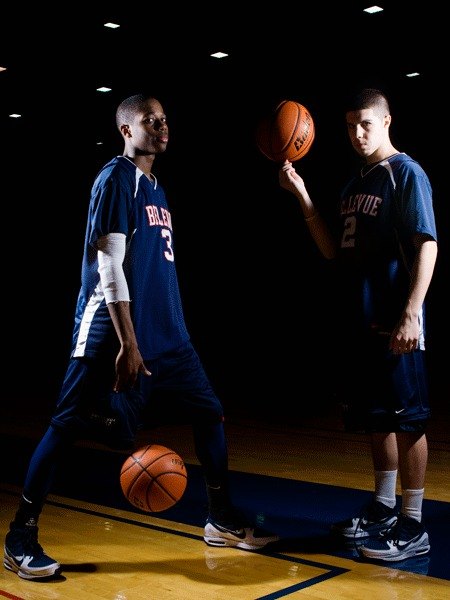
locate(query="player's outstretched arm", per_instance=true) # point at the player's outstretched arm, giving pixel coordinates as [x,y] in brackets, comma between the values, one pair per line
[291,181]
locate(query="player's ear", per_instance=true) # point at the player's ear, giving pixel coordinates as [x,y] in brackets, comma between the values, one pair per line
[125,130]
[387,120]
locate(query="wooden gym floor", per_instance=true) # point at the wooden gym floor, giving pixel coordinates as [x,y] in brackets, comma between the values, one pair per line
[295,480]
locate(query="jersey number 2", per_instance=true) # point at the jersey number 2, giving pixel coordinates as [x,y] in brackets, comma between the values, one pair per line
[348,237]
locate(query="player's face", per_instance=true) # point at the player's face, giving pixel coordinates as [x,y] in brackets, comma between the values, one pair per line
[149,129]
[368,131]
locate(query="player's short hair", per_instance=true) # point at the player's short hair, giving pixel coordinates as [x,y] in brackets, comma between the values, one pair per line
[369,98]
[129,107]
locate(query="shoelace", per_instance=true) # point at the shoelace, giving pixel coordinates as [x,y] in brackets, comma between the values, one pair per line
[231,518]
[393,534]
[367,513]
[31,544]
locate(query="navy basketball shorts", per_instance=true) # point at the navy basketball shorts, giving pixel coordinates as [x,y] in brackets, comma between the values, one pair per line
[177,390]
[385,392]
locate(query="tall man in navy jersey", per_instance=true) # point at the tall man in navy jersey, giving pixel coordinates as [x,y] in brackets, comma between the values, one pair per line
[130,341]
[385,252]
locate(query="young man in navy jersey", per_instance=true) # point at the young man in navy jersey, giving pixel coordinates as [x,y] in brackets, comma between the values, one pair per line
[385,254]
[130,339]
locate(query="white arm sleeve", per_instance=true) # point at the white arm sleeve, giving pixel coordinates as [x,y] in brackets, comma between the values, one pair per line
[111,254]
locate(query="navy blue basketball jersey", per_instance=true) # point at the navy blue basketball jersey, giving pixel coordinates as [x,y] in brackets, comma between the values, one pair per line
[381,209]
[124,200]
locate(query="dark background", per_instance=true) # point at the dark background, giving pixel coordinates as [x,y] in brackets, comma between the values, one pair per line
[259,300]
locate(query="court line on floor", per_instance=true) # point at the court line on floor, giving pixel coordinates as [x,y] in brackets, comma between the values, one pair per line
[331,570]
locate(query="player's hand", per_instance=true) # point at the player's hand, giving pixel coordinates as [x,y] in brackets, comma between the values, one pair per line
[290,180]
[405,337]
[129,364]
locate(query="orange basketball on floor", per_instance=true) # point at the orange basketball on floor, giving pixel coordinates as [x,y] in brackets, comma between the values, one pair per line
[286,134]
[153,478]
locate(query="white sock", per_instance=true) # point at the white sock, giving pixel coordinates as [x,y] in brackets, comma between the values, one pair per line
[412,503]
[385,487]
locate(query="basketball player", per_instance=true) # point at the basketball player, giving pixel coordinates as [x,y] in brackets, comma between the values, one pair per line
[386,251]
[130,338]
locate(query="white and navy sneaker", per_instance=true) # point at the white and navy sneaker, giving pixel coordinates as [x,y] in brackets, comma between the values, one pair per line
[375,518]
[407,538]
[229,536]
[24,555]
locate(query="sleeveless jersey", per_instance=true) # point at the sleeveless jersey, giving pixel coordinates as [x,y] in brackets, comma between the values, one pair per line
[124,200]
[380,212]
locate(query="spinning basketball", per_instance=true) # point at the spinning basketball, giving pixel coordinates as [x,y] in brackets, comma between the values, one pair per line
[286,134]
[153,478]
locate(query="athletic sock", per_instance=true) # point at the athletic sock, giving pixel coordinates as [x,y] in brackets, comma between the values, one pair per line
[219,502]
[385,487]
[28,513]
[412,501]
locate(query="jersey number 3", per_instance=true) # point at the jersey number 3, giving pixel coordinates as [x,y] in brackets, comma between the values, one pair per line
[168,253]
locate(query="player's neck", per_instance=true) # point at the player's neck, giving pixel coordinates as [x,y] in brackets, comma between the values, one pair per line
[365,170]
[144,162]
[382,153]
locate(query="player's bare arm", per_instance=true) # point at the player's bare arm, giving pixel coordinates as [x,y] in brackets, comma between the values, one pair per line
[129,362]
[405,336]
[291,181]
